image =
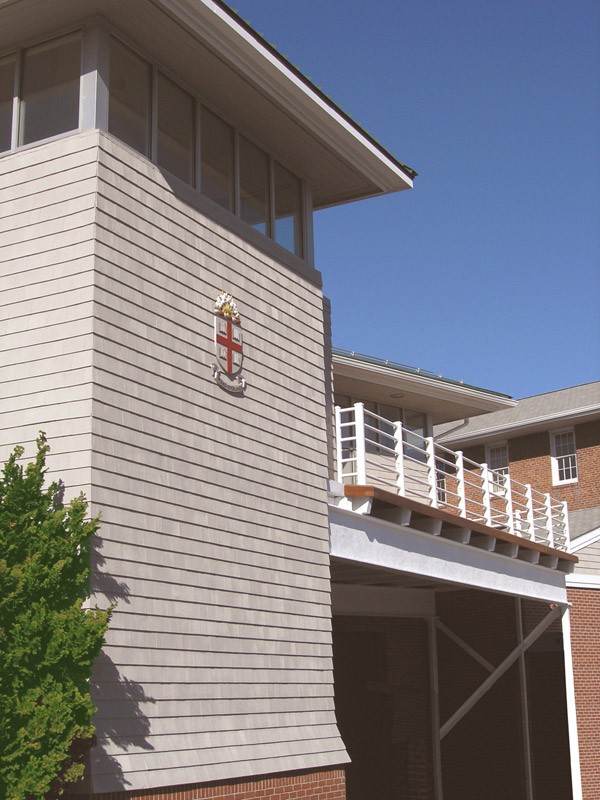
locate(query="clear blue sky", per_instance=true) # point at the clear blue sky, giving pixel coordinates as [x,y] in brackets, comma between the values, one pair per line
[488,271]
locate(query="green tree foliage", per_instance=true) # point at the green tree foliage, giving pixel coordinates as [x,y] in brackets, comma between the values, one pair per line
[48,641]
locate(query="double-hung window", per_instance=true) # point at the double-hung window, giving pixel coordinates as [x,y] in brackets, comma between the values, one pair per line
[497,460]
[564,457]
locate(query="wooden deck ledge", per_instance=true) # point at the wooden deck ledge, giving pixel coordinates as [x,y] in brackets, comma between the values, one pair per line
[383,500]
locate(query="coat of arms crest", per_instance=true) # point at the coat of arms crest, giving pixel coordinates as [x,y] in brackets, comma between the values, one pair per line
[228,344]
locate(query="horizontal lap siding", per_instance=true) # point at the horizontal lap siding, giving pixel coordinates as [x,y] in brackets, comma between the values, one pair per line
[589,559]
[47,213]
[214,539]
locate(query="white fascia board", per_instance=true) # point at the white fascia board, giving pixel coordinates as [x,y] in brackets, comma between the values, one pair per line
[423,384]
[524,426]
[590,537]
[237,46]
[367,540]
[583,581]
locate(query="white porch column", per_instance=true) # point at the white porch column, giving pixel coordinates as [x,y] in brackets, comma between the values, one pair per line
[93,94]
[338,445]
[565,519]
[530,514]
[510,514]
[524,704]
[487,495]
[549,523]
[571,708]
[435,710]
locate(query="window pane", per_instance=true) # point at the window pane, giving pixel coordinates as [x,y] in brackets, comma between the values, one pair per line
[7,82]
[50,89]
[497,458]
[129,98]
[288,214]
[392,414]
[415,428]
[254,186]
[216,141]
[175,129]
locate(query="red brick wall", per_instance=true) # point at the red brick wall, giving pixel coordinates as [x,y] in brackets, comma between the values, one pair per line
[530,462]
[382,684]
[320,785]
[585,642]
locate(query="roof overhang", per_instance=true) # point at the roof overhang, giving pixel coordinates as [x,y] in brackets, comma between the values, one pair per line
[232,69]
[392,384]
[560,419]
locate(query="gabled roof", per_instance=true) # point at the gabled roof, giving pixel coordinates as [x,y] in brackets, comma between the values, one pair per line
[539,412]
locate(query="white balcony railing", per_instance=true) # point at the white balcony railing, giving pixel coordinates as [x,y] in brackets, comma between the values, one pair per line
[374,450]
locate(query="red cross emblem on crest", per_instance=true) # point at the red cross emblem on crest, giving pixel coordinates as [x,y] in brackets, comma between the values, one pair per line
[228,344]
[228,341]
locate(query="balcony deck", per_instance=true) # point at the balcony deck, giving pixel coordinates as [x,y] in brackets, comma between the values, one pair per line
[401,473]
[392,507]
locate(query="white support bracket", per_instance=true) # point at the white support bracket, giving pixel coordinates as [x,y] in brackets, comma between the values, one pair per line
[359,505]
[556,612]
[401,516]
[427,525]
[464,646]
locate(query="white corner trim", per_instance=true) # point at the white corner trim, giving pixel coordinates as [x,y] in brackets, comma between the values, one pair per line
[578,580]
[591,537]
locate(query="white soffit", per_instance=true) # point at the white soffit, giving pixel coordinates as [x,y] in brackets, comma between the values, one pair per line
[445,400]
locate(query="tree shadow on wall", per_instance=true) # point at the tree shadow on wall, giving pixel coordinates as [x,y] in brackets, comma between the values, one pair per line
[120,720]
[103,582]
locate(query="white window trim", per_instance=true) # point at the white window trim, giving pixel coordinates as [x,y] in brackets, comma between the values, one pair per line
[556,481]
